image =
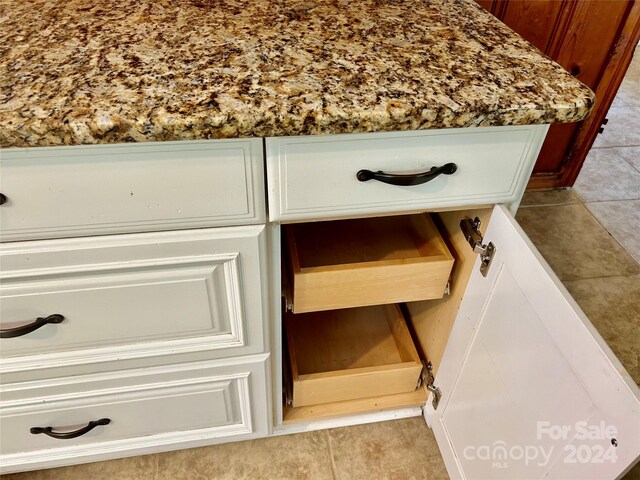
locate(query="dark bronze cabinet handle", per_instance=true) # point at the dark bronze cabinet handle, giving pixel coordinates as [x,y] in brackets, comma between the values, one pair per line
[3,198]
[409,179]
[30,327]
[67,435]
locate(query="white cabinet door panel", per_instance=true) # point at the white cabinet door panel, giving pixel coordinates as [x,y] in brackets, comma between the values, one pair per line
[525,378]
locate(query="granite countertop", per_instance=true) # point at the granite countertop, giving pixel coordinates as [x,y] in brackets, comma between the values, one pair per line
[106,71]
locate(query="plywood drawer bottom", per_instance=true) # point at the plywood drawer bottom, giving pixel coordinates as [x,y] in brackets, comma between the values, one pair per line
[349,354]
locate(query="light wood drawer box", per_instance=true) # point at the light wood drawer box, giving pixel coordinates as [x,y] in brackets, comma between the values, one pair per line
[129,296]
[315,177]
[172,405]
[349,354]
[371,261]
[72,191]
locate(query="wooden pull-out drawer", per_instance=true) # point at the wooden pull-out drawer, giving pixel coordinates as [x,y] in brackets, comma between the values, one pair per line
[130,296]
[349,354]
[136,411]
[96,189]
[373,261]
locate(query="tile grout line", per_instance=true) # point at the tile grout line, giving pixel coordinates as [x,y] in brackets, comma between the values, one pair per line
[606,147]
[563,280]
[334,469]
[613,200]
[547,205]
[584,204]
[609,232]
[631,145]
[632,165]
[624,159]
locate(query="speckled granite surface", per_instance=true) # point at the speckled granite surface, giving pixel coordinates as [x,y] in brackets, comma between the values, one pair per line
[103,71]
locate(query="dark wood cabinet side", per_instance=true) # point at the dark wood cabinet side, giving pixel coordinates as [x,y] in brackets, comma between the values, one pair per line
[592,39]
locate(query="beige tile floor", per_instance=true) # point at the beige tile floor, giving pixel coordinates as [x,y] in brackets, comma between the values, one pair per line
[589,238]
[609,182]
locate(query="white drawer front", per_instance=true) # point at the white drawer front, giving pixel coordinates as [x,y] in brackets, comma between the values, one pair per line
[71,191]
[149,407]
[315,177]
[129,296]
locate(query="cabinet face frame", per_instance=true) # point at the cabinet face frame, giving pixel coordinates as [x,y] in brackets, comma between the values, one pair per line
[274,336]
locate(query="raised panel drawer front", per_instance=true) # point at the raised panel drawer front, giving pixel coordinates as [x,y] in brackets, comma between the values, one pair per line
[129,296]
[84,190]
[137,412]
[317,177]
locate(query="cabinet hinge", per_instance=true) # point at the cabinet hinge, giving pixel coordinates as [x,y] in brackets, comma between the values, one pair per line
[471,231]
[426,379]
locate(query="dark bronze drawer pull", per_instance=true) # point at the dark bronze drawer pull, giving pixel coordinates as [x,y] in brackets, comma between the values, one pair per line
[67,435]
[407,180]
[30,327]
[3,198]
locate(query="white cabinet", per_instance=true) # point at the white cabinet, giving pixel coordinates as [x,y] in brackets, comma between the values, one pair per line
[192,321]
[513,358]
[131,343]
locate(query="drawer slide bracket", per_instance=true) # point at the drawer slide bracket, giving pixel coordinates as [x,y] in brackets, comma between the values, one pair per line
[471,231]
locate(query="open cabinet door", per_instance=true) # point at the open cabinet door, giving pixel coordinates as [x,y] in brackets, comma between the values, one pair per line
[529,389]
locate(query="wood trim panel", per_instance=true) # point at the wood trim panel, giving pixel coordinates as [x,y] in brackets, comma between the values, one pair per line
[561,24]
[611,78]
[486,4]
[561,28]
[609,81]
[536,21]
[593,40]
[500,8]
